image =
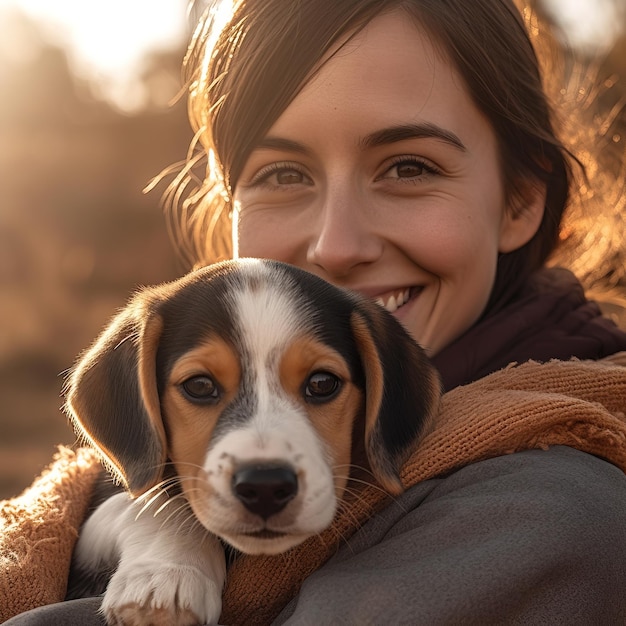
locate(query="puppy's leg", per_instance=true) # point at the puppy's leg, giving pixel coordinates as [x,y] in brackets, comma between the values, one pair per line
[170,570]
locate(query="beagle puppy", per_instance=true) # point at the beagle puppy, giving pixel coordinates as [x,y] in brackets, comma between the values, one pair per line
[235,404]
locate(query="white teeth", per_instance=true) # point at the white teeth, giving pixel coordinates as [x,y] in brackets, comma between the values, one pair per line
[395,301]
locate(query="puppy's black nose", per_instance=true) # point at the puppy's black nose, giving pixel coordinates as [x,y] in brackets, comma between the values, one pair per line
[265,490]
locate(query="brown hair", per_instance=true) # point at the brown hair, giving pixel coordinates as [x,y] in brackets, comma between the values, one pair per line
[261,59]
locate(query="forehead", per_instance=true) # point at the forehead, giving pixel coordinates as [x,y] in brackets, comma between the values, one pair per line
[391,72]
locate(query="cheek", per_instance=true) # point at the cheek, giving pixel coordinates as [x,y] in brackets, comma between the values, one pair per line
[265,234]
[458,232]
[451,246]
[460,252]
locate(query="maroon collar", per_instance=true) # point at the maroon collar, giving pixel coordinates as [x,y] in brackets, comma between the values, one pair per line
[549,319]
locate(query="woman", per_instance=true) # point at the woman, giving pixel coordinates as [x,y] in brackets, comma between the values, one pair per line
[405,149]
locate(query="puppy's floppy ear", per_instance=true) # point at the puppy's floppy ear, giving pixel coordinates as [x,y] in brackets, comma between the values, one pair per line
[402,391]
[112,398]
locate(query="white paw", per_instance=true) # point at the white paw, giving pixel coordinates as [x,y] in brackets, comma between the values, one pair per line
[155,594]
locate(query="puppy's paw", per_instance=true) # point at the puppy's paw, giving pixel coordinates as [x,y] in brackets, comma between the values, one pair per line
[148,594]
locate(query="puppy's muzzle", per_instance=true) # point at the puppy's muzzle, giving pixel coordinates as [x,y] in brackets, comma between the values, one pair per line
[265,489]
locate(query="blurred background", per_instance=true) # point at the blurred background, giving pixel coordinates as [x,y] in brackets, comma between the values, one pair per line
[90,111]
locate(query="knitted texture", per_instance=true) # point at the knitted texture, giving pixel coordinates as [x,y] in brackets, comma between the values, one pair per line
[38,530]
[575,403]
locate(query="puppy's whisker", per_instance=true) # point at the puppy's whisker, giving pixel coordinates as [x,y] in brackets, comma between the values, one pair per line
[155,497]
[158,488]
[187,524]
[337,534]
[196,523]
[184,507]
[146,506]
[357,484]
[169,502]
[367,484]
[190,464]
[188,491]
[343,509]
[357,493]
[354,466]
[358,497]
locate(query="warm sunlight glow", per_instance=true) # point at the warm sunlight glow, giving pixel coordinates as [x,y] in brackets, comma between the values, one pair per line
[592,25]
[107,41]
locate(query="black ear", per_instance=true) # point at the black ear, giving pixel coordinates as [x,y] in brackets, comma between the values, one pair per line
[402,391]
[112,398]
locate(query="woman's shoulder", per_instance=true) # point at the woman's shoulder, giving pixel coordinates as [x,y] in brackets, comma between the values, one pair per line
[536,536]
[539,483]
[559,490]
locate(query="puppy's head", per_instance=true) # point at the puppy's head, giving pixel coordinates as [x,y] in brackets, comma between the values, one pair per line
[252,378]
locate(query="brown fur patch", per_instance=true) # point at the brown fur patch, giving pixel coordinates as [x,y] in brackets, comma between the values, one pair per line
[190,425]
[373,371]
[333,420]
[374,395]
[147,376]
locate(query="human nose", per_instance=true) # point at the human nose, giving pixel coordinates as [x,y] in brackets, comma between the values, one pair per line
[344,236]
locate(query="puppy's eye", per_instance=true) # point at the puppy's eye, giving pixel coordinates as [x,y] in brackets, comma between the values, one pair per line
[201,388]
[321,386]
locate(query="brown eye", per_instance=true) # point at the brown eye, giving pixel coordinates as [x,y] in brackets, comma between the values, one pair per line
[409,169]
[321,386]
[289,177]
[201,389]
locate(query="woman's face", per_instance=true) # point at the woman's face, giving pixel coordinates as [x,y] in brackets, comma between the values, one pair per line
[383,177]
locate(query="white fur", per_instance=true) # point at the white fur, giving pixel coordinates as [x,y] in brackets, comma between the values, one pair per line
[164,561]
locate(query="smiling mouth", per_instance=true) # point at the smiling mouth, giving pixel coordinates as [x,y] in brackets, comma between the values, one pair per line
[393,300]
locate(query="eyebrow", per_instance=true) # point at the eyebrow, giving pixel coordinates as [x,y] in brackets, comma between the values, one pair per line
[402,132]
[278,143]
